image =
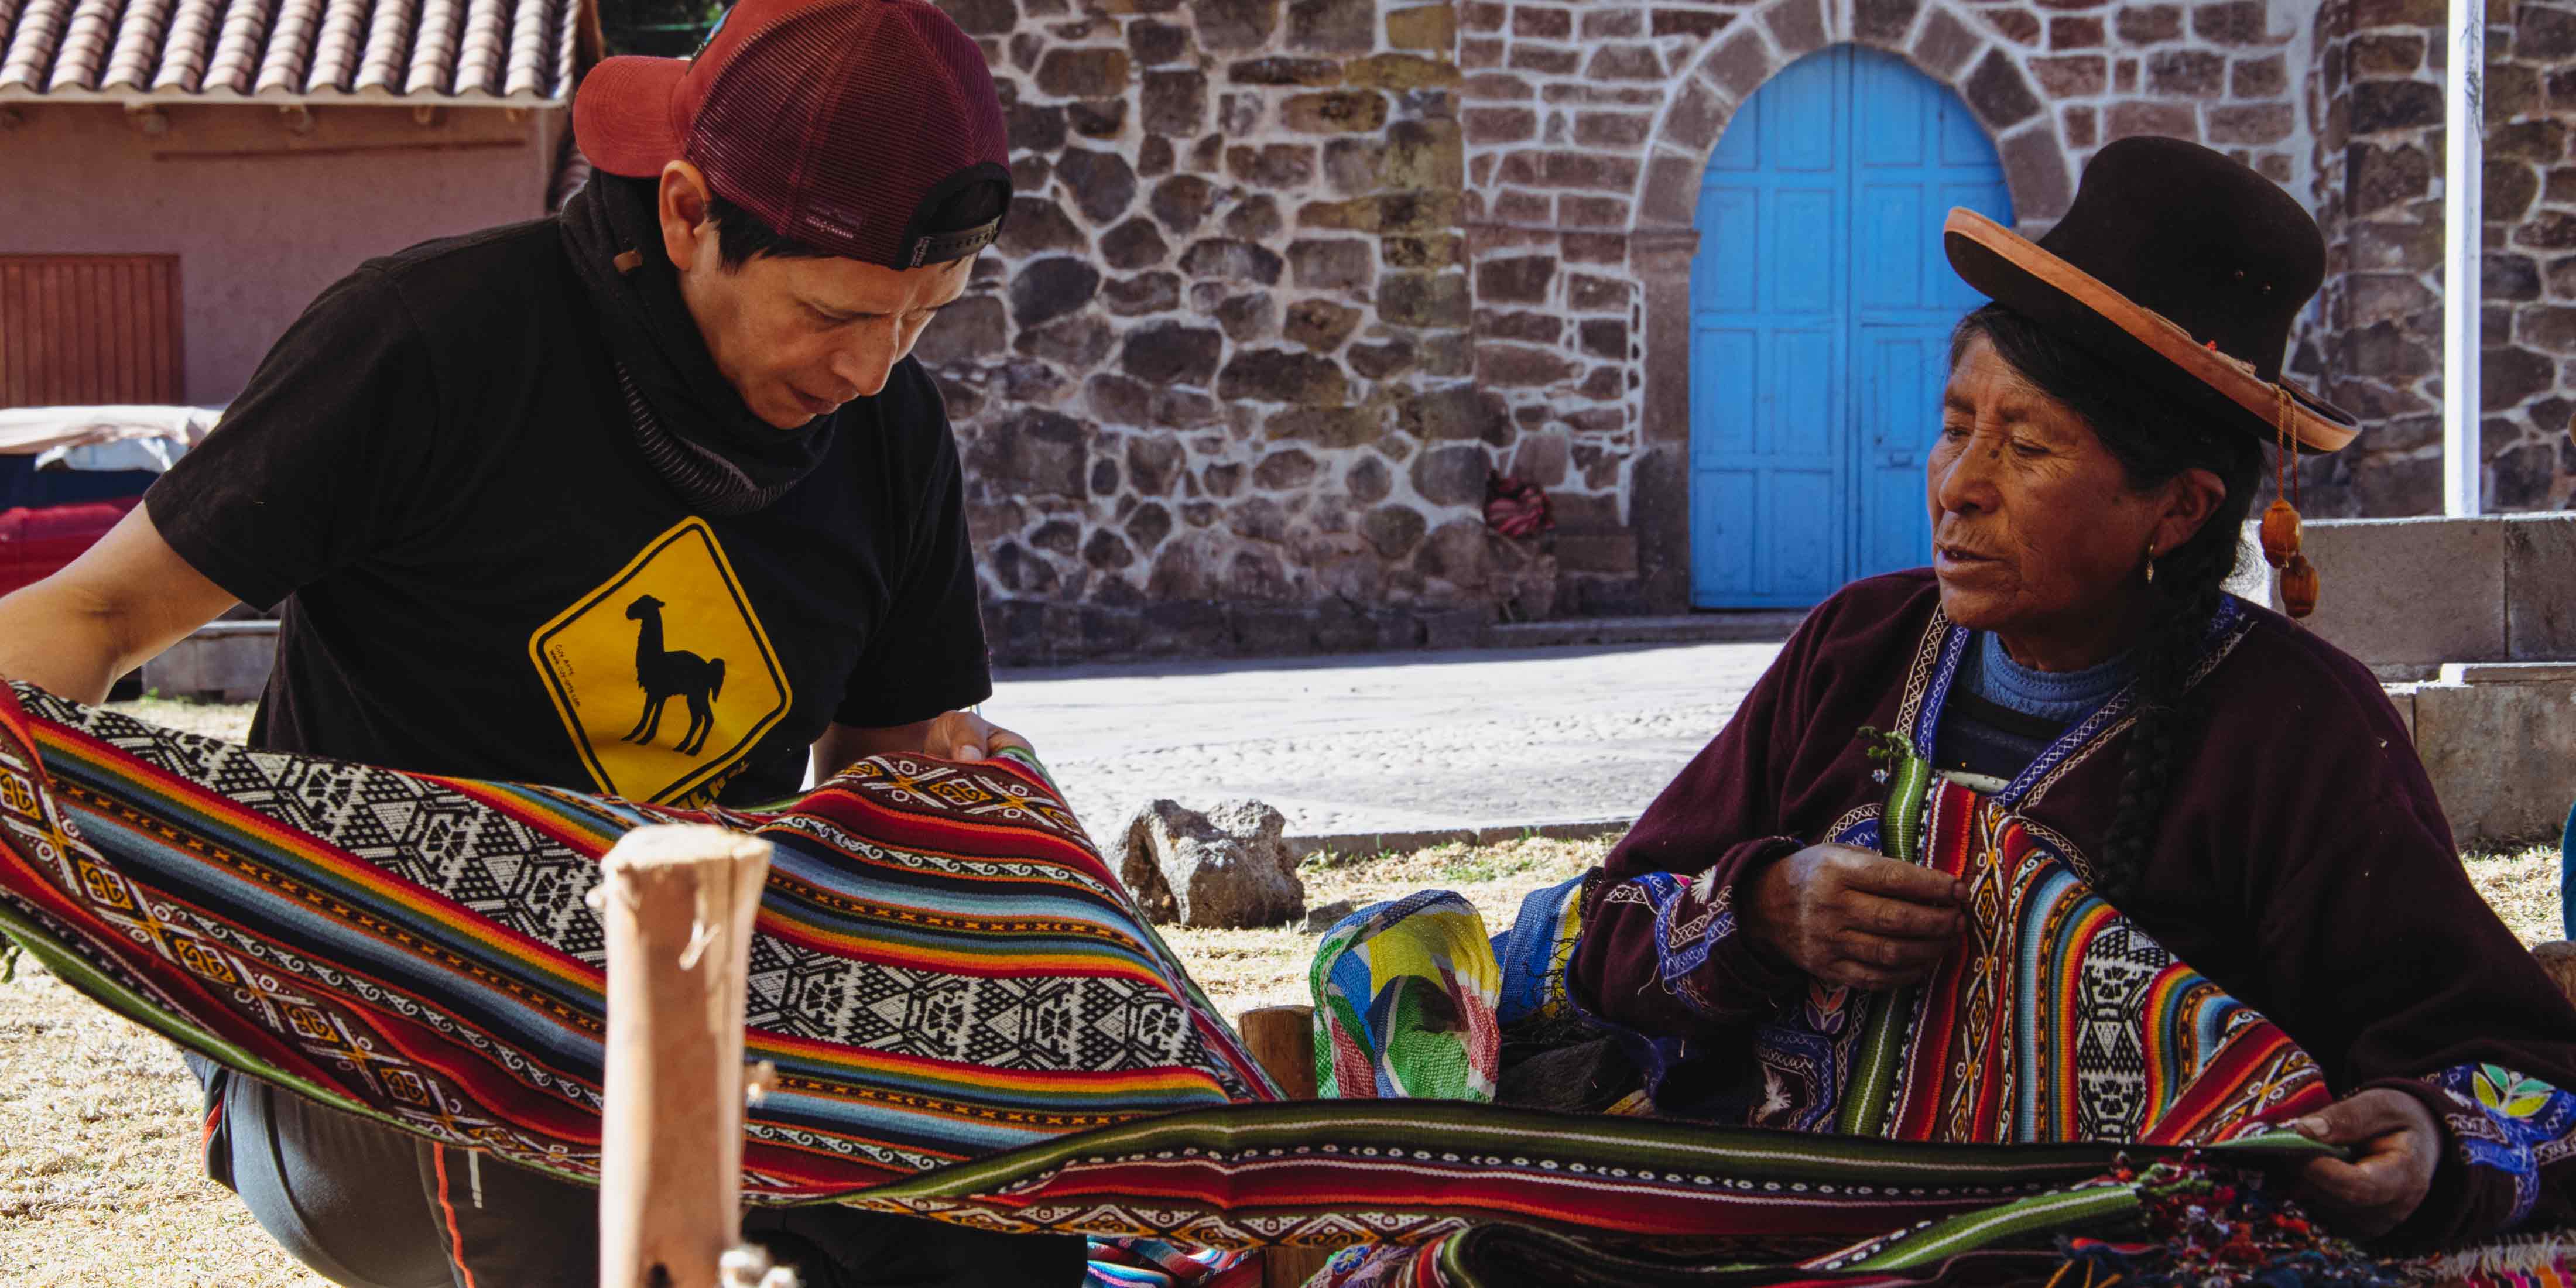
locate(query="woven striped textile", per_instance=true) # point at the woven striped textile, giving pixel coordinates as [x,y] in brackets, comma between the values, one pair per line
[971,1019]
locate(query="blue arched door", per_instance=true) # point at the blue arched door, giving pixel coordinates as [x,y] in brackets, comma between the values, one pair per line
[1821,308]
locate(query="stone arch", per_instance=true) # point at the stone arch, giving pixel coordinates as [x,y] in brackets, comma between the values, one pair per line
[1945,40]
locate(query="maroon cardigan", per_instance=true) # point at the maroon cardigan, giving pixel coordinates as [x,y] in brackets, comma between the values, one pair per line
[2304,865]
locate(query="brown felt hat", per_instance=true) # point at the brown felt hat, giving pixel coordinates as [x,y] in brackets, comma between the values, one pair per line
[2179,266]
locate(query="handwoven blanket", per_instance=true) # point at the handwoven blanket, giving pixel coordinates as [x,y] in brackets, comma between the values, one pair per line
[970,1017]
[2056,1019]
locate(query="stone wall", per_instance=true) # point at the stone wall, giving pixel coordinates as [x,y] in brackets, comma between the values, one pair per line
[1287,278]
[2378,88]
[1213,387]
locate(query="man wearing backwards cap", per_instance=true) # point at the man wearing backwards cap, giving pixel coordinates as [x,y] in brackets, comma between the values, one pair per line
[647,499]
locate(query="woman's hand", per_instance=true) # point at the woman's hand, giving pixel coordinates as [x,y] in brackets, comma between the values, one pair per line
[2397,1147]
[1847,916]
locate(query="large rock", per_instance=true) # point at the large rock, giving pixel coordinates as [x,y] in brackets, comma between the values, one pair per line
[1227,868]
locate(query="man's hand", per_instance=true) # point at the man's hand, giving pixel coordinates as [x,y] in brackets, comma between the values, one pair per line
[2397,1146]
[1847,916]
[950,735]
[964,735]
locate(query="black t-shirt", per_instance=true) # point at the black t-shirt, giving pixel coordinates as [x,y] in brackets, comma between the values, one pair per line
[435,472]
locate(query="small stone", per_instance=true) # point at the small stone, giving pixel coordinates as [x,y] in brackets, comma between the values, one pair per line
[2384,54]
[1519,280]
[1430,26]
[970,330]
[1101,183]
[1153,464]
[1330,427]
[1999,94]
[1379,361]
[1133,244]
[1034,453]
[1175,103]
[1047,289]
[1181,201]
[1452,475]
[1457,552]
[2077,76]
[2395,105]
[1335,112]
[1332,26]
[1079,341]
[1285,71]
[1034,128]
[1423,299]
[1150,43]
[1331,265]
[1099,118]
[1254,219]
[1320,325]
[1282,375]
[1083,73]
[1230,260]
[1393,530]
[1154,157]
[1284,470]
[1275,165]
[2149,24]
[1234,24]
[1146,293]
[1148,525]
[1171,353]
[2186,73]
[1037,226]
[1246,317]
[1107,550]
[1367,480]
[1229,868]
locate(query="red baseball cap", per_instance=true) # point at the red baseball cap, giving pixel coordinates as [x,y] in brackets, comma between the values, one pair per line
[844,124]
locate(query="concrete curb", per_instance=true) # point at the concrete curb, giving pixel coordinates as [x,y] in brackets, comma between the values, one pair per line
[1373,843]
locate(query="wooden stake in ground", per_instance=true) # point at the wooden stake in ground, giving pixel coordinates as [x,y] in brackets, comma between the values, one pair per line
[1282,1039]
[678,903]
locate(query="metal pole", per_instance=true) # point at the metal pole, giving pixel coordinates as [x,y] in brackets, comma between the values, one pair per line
[2463,246]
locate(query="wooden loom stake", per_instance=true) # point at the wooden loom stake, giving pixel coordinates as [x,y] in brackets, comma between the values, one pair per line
[1282,1040]
[677,903]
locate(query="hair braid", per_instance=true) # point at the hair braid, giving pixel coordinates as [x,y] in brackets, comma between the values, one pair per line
[2167,726]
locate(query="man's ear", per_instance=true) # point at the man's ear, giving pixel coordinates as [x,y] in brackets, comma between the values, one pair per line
[684,203]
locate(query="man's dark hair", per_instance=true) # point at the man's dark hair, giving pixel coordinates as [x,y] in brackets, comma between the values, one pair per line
[742,236]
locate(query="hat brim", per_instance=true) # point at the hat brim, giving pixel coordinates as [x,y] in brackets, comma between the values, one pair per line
[622,115]
[2017,273]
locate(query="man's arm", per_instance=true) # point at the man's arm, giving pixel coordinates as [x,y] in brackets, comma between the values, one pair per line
[951,735]
[111,610]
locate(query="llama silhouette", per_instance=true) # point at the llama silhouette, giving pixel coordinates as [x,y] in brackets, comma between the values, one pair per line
[665,674]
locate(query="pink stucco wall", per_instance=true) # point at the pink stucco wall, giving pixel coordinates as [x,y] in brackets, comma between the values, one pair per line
[259,231]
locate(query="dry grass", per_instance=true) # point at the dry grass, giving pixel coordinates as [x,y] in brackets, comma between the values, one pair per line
[99,1182]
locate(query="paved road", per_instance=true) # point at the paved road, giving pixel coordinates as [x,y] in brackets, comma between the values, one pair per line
[1384,742]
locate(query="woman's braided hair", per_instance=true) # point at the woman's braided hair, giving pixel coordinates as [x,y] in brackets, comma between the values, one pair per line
[2154,440]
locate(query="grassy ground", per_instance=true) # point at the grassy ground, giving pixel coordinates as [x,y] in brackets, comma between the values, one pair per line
[99,1182]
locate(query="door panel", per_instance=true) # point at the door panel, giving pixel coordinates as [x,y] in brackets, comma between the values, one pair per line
[1821,310]
[88,329]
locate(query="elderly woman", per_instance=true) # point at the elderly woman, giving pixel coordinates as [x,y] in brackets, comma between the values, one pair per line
[2238,788]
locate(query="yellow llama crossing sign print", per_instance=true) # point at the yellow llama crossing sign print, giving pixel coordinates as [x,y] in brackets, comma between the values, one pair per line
[663,674]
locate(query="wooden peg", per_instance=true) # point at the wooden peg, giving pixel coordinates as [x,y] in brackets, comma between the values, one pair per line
[677,902]
[1282,1040]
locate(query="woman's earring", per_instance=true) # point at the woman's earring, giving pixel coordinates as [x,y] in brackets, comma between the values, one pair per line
[2151,563]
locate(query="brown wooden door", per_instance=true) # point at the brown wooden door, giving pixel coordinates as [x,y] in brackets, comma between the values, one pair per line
[77,329]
